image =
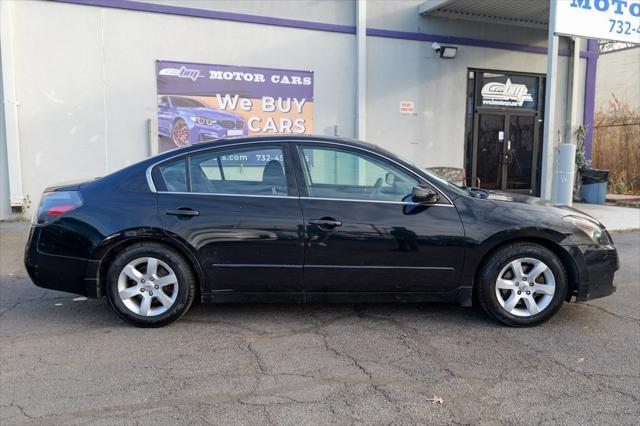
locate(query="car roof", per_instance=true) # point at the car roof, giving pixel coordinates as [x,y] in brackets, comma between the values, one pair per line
[237,140]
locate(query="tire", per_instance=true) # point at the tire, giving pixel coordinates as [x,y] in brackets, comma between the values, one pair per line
[532,298]
[180,133]
[150,300]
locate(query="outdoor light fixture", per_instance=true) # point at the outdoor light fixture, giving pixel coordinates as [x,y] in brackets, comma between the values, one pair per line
[447,52]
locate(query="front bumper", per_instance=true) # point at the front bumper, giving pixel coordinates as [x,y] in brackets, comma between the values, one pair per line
[596,267]
[61,273]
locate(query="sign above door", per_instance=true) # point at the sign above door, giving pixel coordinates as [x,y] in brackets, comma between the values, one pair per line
[507,91]
[505,94]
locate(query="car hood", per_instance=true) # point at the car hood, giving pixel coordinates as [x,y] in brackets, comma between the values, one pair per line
[214,114]
[536,203]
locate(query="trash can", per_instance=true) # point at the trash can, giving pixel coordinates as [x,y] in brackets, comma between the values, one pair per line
[594,185]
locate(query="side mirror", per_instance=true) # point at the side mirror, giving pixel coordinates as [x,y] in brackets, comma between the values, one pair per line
[389,179]
[422,195]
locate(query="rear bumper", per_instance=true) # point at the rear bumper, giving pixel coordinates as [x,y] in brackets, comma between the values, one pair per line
[61,273]
[596,269]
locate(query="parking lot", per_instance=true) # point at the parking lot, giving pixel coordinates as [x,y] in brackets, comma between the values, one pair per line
[66,359]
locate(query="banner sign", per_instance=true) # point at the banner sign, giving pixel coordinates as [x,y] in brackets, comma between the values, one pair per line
[617,20]
[202,102]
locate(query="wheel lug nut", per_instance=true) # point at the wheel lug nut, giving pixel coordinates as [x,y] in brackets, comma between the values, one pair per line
[157,286]
[528,292]
[142,290]
[519,292]
[524,278]
[151,279]
[531,284]
[517,284]
[142,280]
[150,293]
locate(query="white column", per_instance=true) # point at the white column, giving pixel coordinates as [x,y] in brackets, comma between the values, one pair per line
[361,65]
[546,169]
[10,103]
[575,87]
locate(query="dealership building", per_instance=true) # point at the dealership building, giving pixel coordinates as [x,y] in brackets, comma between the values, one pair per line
[443,83]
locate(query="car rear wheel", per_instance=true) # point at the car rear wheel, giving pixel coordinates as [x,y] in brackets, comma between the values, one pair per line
[522,284]
[150,285]
[180,133]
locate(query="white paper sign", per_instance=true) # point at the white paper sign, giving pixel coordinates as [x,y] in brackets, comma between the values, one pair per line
[617,20]
[407,107]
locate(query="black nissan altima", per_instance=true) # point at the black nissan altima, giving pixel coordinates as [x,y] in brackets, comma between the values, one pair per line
[309,219]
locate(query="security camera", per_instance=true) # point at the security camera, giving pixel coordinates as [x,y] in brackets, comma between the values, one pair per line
[436,46]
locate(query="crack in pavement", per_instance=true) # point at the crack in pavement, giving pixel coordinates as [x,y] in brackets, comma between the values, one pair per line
[609,312]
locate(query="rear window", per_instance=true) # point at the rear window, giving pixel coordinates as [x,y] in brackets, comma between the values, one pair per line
[236,171]
[174,175]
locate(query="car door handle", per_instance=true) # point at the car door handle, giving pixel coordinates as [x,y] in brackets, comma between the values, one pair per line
[327,222]
[183,211]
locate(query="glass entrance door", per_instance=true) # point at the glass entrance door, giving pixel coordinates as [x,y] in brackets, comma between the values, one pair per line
[518,159]
[505,151]
[490,149]
[502,130]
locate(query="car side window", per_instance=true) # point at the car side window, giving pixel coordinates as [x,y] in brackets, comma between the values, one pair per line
[248,171]
[343,174]
[174,175]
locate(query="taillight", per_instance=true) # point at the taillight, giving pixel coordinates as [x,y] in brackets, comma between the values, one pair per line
[56,204]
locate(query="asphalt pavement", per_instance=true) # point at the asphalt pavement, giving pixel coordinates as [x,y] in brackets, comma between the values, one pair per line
[68,360]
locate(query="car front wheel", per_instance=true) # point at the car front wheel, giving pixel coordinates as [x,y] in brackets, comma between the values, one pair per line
[522,284]
[150,285]
[180,133]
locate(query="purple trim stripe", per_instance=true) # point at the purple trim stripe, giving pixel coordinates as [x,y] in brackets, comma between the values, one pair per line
[311,25]
[590,96]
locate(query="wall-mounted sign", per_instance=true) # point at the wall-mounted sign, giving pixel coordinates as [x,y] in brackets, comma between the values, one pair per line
[603,19]
[200,102]
[407,107]
[496,93]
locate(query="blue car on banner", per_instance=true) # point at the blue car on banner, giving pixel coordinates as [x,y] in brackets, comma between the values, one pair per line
[188,121]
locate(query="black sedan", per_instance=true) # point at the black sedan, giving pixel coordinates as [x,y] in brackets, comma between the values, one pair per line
[309,219]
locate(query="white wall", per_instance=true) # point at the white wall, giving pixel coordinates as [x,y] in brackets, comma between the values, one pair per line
[401,70]
[86,80]
[618,75]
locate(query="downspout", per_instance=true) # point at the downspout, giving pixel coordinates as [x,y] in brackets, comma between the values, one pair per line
[361,69]
[590,96]
[12,135]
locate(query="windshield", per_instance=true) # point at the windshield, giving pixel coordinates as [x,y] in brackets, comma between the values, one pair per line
[432,176]
[450,186]
[186,102]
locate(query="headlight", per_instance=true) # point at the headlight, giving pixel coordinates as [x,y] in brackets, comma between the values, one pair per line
[203,121]
[592,229]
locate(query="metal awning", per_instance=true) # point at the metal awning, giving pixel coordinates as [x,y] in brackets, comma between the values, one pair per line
[527,13]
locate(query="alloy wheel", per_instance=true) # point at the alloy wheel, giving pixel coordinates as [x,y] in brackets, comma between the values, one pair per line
[525,287]
[147,286]
[180,133]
